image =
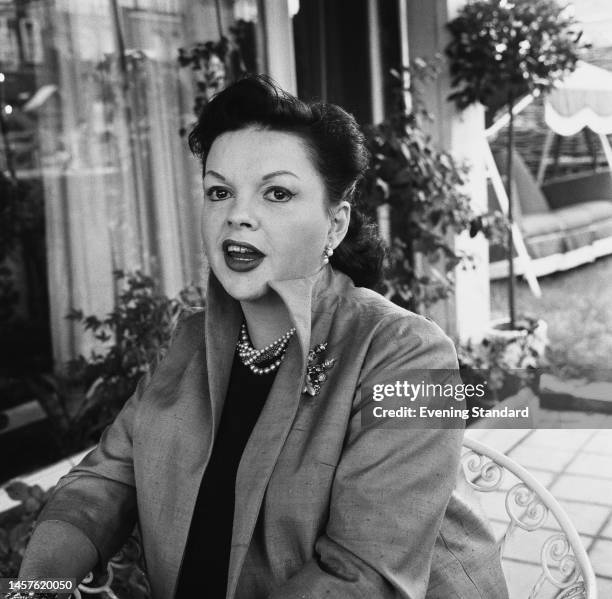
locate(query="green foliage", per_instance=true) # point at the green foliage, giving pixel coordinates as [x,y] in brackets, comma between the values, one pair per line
[509,47]
[134,337]
[215,64]
[424,187]
[208,62]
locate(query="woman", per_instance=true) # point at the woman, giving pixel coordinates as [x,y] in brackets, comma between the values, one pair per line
[251,472]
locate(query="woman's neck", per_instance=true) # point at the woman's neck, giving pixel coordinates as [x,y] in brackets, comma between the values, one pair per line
[267,319]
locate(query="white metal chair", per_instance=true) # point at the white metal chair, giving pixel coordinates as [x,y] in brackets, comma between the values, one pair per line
[126,564]
[563,560]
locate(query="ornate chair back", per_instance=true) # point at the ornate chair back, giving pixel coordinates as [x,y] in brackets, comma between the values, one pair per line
[564,570]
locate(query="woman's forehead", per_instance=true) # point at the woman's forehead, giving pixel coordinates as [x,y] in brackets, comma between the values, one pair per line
[256,151]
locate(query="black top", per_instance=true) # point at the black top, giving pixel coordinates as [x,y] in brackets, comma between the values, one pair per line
[205,563]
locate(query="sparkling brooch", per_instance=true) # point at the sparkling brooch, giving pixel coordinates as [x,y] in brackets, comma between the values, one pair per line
[316,372]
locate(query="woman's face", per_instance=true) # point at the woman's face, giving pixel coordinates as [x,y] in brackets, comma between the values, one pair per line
[265,214]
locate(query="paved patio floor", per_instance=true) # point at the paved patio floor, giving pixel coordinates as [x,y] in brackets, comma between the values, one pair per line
[576,467]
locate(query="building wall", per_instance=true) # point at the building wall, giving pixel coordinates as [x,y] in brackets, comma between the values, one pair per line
[461,133]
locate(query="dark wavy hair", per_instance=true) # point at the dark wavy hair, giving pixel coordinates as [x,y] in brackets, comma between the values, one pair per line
[336,146]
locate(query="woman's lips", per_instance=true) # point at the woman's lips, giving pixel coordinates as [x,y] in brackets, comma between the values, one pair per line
[240,256]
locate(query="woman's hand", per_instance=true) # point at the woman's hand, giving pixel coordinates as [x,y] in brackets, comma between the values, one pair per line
[58,550]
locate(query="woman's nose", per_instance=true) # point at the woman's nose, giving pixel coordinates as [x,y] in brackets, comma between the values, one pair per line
[241,214]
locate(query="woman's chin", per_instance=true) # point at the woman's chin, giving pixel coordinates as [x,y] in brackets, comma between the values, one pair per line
[249,295]
[243,288]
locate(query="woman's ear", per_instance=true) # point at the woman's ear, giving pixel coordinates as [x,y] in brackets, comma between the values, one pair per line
[340,217]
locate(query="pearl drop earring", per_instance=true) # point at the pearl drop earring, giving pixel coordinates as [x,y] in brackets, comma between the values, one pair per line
[328,252]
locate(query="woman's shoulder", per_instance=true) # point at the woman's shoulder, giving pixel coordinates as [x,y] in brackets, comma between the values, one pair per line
[394,331]
[187,335]
[373,307]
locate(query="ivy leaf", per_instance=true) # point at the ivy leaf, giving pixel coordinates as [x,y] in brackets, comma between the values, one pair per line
[17,491]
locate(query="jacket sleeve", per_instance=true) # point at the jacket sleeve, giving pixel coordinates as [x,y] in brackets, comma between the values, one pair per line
[98,495]
[391,486]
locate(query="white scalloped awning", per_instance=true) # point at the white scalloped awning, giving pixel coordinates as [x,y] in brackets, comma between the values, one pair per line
[583,99]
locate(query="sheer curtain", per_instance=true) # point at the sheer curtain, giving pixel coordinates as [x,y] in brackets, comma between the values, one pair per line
[121,189]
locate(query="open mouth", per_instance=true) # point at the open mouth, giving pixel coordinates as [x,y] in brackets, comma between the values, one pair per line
[241,256]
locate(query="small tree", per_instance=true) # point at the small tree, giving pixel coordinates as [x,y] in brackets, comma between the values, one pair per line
[501,50]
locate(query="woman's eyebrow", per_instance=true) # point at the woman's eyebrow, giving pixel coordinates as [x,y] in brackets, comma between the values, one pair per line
[215,174]
[276,173]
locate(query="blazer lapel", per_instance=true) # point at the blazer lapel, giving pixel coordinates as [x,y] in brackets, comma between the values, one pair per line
[272,427]
[222,325]
[223,320]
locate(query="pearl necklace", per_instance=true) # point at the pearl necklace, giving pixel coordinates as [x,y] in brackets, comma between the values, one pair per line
[250,356]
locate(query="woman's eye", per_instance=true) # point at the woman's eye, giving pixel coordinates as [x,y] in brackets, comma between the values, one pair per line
[278,194]
[217,193]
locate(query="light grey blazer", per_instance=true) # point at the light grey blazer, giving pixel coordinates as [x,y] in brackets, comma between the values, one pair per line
[325,507]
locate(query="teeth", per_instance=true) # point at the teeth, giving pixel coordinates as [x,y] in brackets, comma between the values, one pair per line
[239,249]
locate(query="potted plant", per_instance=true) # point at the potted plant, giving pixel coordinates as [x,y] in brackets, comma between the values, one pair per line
[424,188]
[499,51]
[508,360]
[86,396]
